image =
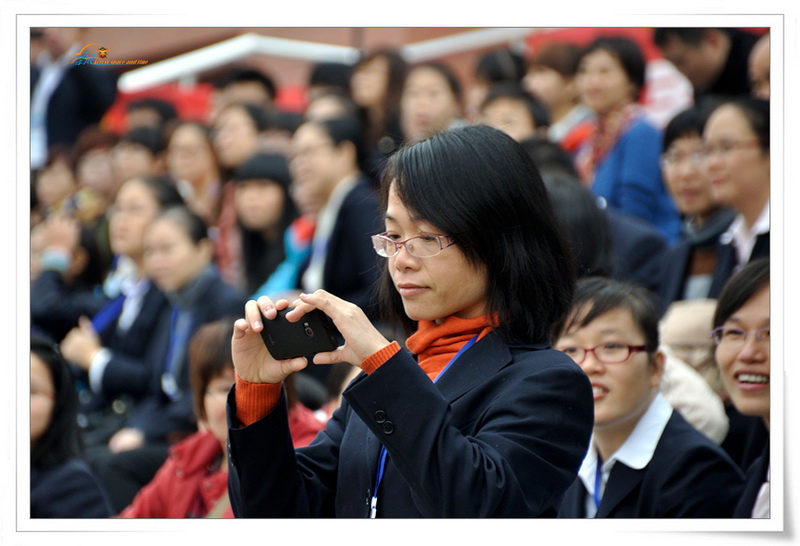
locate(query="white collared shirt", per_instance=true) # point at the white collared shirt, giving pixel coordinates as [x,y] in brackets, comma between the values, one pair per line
[636,452]
[744,239]
[313,277]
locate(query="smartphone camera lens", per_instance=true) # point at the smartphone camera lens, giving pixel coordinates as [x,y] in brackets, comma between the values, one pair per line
[308,330]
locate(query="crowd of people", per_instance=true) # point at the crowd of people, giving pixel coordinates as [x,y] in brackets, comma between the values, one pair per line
[590,286]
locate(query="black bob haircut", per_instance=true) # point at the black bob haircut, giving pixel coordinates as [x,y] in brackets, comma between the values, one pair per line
[596,296]
[741,287]
[512,90]
[627,52]
[686,124]
[480,187]
[61,440]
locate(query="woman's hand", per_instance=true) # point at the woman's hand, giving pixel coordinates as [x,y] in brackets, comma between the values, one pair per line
[361,338]
[251,359]
[126,439]
[81,344]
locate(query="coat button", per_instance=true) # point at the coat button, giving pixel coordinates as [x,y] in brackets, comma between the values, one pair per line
[388,427]
[380,416]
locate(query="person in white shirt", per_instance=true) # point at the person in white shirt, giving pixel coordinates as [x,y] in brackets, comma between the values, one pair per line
[645,460]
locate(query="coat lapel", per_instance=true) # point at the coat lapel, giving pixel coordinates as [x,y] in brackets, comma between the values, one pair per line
[622,481]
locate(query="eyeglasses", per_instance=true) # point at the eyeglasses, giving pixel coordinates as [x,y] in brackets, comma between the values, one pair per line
[608,353]
[737,336]
[421,246]
[673,159]
[725,147]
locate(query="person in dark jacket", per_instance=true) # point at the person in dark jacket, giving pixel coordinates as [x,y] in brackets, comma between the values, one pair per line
[62,484]
[646,460]
[487,420]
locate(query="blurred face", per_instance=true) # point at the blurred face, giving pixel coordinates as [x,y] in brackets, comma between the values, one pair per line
[686,179]
[700,64]
[235,136]
[428,104]
[134,208]
[550,87]
[214,403]
[623,390]
[603,83]
[248,92]
[510,116]
[58,40]
[42,398]
[744,365]
[54,183]
[131,160]
[737,168]
[171,258]
[190,156]
[759,69]
[259,204]
[434,287]
[368,83]
[95,171]
[316,164]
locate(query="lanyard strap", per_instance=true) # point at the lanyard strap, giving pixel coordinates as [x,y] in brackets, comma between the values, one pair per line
[598,481]
[373,507]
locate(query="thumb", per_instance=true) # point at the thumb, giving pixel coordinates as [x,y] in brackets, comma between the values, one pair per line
[85,325]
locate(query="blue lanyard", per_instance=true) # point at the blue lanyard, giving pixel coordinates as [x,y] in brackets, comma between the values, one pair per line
[108,313]
[373,508]
[598,480]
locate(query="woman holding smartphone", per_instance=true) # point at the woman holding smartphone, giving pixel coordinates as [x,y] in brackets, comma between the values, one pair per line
[479,417]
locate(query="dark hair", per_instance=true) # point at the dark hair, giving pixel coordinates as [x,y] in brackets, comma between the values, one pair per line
[627,52]
[284,121]
[331,74]
[478,186]
[756,112]
[61,440]
[686,124]
[500,65]
[148,137]
[585,223]
[256,114]
[250,75]
[344,129]
[511,90]
[561,57]
[341,97]
[204,130]
[691,36]
[191,223]
[91,138]
[165,110]
[445,72]
[161,188]
[549,156]
[395,79]
[262,257]
[595,296]
[742,286]
[209,355]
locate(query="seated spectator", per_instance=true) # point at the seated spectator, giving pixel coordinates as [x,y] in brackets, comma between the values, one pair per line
[714,60]
[138,153]
[514,111]
[686,270]
[431,102]
[645,459]
[620,161]
[55,185]
[737,159]
[758,68]
[62,484]
[178,257]
[551,79]
[191,161]
[741,334]
[193,482]
[69,282]
[265,210]
[112,352]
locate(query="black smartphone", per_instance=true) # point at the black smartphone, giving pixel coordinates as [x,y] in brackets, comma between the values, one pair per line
[313,333]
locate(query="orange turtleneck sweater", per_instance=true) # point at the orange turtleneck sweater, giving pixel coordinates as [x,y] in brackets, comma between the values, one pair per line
[434,344]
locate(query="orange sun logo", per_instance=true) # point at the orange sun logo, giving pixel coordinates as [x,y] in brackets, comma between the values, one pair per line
[102,52]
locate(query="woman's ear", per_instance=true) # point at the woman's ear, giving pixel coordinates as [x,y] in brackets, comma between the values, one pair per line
[657,369]
[207,248]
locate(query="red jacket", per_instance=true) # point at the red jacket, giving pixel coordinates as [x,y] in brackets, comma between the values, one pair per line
[189,483]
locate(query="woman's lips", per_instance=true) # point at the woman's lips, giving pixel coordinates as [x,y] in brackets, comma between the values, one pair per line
[409,290]
[599,391]
[752,381]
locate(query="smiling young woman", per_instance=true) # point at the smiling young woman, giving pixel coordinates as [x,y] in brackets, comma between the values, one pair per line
[487,420]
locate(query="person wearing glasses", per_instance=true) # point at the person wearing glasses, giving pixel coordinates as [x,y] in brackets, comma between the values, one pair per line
[741,335]
[737,160]
[479,416]
[687,268]
[645,459]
